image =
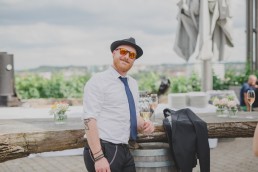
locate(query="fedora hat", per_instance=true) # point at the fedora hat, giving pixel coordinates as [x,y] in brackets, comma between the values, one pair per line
[129,41]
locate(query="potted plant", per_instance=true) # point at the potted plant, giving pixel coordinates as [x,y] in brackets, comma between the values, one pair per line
[59,112]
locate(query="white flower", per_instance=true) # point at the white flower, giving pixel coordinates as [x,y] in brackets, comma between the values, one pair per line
[216,102]
[223,102]
[58,108]
[232,104]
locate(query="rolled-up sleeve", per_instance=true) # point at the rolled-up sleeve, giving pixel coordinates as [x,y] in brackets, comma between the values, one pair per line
[92,98]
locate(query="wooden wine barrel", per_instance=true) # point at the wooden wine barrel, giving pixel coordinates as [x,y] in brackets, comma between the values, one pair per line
[153,157]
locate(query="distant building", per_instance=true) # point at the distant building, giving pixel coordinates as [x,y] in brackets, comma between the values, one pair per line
[169,70]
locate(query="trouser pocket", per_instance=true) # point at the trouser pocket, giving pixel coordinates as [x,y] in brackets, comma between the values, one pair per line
[110,152]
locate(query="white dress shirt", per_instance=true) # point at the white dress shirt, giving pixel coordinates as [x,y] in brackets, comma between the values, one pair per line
[105,100]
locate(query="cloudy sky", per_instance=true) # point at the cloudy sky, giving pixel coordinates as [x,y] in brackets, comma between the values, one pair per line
[79,32]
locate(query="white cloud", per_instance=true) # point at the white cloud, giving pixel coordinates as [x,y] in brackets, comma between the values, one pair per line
[68,32]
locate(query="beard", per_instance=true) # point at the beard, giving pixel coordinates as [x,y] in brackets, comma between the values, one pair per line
[122,65]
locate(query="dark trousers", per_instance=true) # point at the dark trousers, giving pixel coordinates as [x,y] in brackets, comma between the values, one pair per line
[118,156]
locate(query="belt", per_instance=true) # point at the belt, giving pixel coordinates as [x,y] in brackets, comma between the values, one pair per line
[106,142]
[130,145]
[118,144]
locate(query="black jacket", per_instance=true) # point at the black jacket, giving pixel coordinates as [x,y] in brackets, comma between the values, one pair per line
[188,139]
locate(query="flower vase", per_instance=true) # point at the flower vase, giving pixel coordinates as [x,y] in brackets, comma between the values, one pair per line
[232,113]
[221,112]
[60,118]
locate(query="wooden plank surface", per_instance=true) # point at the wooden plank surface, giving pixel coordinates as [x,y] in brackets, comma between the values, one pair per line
[20,137]
[47,124]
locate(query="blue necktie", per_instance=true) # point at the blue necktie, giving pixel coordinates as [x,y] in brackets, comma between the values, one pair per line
[133,120]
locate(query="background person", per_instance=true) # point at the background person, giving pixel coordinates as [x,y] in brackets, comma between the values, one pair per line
[255,104]
[110,112]
[249,85]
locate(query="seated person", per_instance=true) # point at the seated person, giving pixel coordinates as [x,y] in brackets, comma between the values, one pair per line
[164,86]
[255,104]
[249,85]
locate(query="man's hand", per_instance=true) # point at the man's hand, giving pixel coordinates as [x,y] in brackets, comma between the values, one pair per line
[102,165]
[148,127]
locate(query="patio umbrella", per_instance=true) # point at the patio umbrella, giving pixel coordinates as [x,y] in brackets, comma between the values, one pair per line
[204,29]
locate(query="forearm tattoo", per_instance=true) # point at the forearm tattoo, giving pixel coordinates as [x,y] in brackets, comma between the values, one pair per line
[86,123]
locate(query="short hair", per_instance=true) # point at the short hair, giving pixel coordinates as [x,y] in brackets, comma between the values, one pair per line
[252,77]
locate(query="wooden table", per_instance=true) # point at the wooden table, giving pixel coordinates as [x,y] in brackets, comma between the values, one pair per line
[21,137]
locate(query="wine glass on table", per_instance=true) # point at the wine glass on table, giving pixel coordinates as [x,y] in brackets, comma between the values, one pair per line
[145,111]
[153,105]
[250,99]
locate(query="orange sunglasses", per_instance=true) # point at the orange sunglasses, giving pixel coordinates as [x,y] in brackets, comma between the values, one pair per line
[124,51]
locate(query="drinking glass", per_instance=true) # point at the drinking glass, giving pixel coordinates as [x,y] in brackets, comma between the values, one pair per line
[153,104]
[250,98]
[145,110]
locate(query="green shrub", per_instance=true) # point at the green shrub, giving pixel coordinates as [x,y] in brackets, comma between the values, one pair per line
[29,86]
[59,86]
[35,86]
[75,88]
[183,84]
[148,81]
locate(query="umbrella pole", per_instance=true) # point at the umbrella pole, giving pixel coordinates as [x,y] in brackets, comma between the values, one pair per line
[207,80]
[249,29]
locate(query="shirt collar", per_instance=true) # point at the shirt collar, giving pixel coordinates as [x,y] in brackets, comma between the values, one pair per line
[115,74]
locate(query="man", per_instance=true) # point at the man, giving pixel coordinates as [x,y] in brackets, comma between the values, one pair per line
[250,85]
[110,112]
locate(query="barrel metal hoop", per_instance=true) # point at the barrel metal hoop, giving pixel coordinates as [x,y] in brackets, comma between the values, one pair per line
[157,152]
[154,164]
